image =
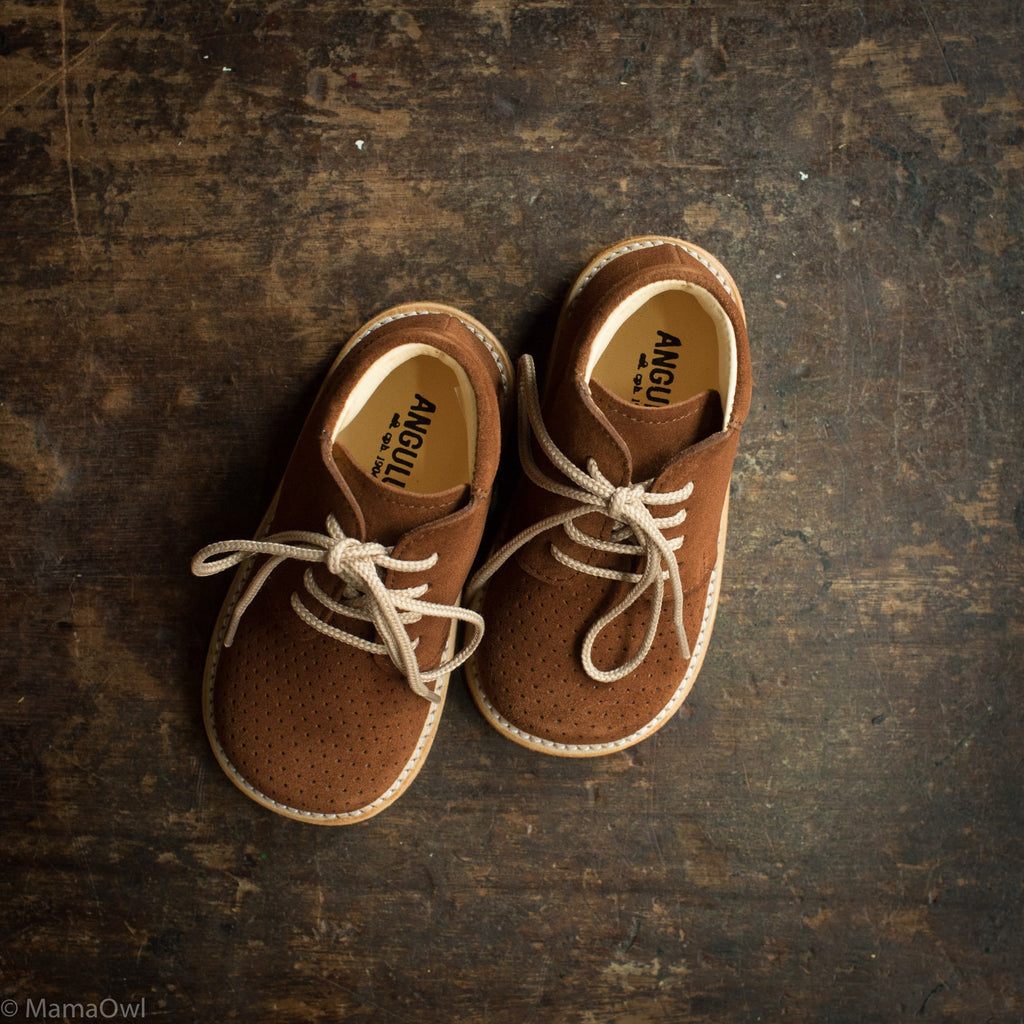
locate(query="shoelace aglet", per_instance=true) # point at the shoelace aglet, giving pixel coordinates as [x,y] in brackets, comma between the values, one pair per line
[684,643]
[432,695]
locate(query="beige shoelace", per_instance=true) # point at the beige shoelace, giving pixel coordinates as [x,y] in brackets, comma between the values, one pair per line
[627,506]
[365,596]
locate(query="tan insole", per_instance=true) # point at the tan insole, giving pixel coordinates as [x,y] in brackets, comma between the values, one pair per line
[414,429]
[665,352]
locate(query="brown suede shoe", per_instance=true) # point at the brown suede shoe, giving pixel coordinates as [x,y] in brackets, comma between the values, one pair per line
[627,464]
[329,663]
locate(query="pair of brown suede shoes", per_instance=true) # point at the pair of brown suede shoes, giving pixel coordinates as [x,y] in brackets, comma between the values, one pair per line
[330,661]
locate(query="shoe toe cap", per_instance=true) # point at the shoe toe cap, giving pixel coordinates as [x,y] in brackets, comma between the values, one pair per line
[312,735]
[528,676]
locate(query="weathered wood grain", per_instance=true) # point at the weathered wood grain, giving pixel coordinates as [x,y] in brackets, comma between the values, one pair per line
[200,201]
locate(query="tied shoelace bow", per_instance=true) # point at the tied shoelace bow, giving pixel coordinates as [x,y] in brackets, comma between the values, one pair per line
[627,506]
[365,597]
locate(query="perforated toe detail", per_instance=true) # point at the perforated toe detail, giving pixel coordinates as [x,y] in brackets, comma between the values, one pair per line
[529,674]
[308,736]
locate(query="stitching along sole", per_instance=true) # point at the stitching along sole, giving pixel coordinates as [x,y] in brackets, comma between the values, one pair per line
[388,797]
[702,256]
[241,578]
[525,739]
[488,710]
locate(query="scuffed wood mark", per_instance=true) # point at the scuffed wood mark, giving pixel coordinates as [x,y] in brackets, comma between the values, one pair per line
[64,69]
[23,448]
[66,107]
[497,12]
[856,713]
[406,26]
[872,70]
[938,43]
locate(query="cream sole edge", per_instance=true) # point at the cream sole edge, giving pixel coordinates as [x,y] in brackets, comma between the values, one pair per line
[531,742]
[505,727]
[649,241]
[241,577]
[408,309]
[405,778]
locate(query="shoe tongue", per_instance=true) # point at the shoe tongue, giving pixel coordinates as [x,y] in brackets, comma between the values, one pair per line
[653,435]
[389,512]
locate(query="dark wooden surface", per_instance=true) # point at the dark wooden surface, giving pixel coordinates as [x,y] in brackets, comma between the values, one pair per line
[201,200]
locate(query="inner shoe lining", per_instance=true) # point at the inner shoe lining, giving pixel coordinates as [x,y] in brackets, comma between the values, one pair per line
[665,345]
[412,422]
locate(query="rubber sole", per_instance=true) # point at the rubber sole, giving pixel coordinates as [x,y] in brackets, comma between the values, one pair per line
[243,573]
[493,716]
[547,746]
[647,242]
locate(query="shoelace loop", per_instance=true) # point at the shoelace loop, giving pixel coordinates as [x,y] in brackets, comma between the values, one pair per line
[638,533]
[357,564]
